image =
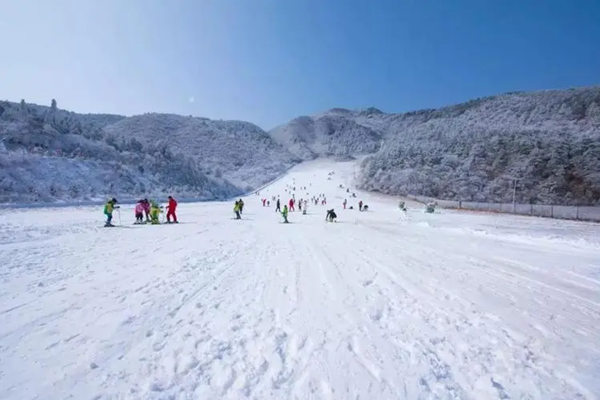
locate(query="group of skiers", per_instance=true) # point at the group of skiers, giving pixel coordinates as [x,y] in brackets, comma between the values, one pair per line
[149,209]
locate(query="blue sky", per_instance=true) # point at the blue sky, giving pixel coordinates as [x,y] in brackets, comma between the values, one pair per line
[268,61]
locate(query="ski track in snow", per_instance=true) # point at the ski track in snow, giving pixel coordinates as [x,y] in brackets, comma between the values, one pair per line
[380,305]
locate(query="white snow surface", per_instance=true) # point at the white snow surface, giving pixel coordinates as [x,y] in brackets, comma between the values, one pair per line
[379,305]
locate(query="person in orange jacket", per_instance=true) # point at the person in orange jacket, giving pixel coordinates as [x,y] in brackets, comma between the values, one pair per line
[171,207]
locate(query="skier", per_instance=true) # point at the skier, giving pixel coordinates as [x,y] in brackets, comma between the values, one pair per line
[402,206]
[264,202]
[430,207]
[109,207]
[300,205]
[171,210]
[305,209]
[292,205]
[344,203]
[284,214]
[241,206]
[268,203]
[155,211]
[278,207]
[237,209]
[146,206]
[360,203]
[331,215]
[139,212]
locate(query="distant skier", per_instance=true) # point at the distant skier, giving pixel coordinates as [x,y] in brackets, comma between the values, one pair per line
[109,207]
[264,201]
[284,214]
[236,210]
[360,204]
[278,206]
[331,215]
[430,208]
[171,207]
[268,203]
[402,206]
[345,203]
[139,212]
[300,205]
[292,205]
[241,206]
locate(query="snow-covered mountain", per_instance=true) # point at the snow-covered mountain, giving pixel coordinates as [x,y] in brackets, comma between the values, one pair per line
[338,133]
[549,142]
[240,152]
[47,154]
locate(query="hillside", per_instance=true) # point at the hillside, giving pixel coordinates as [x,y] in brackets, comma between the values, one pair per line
[338,133]
[240,152]
[47,154]
[548,141]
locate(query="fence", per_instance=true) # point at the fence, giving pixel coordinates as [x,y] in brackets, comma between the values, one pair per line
[583,213]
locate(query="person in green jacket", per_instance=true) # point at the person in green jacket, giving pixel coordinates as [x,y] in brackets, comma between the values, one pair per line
[109,207]
[155,211]
[284,214]
[236,209]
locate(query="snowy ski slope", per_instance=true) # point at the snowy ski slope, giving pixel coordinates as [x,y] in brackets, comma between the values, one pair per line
[376,306]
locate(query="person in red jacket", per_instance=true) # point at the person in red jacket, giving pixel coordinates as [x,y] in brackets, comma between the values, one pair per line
[292,205]
[171,210]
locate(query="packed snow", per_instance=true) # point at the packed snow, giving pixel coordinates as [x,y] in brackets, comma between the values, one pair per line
[378,305]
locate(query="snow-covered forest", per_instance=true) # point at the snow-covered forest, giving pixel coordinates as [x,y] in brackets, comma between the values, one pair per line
[48,154]
[547,143]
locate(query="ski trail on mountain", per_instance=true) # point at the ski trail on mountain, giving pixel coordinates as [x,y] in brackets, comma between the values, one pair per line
[376,306]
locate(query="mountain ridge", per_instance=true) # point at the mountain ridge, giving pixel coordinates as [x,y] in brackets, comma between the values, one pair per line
[547,141]
[48,154]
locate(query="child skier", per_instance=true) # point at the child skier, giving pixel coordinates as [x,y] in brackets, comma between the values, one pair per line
[109,207]
[284,214]
[139,212]
[236,210]
[171,210]
[154,212]
[146,207]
